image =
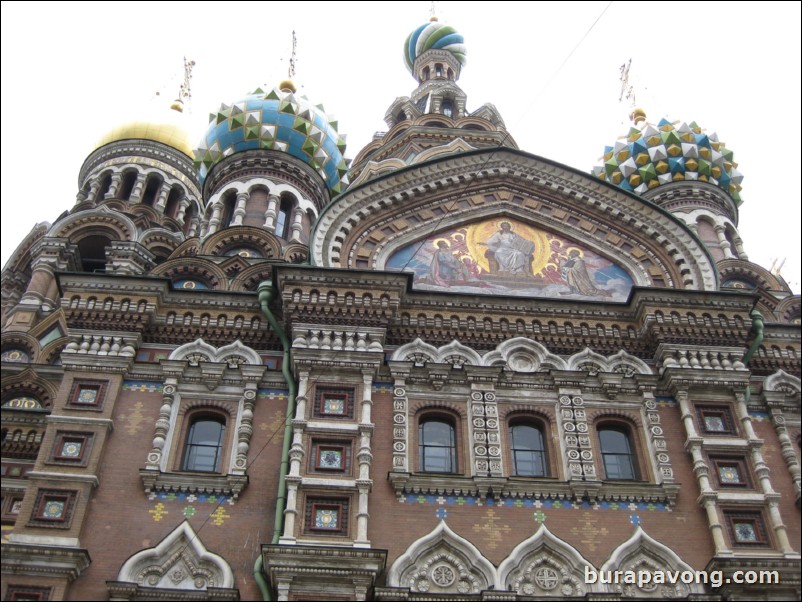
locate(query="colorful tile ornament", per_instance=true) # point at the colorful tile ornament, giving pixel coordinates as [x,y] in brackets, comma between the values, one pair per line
[650,156]
[635,520]
[529,502]
[219,516]
[158,512]
[142,386]
[276,120]
[441,513]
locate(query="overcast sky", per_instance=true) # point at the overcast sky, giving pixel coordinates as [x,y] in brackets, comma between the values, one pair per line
[72,71]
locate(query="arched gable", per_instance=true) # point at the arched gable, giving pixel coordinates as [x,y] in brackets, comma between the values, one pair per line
[369,223]
[643,553]
[179,562]
[454,353]
[523,355]
[442,562]
[544,565]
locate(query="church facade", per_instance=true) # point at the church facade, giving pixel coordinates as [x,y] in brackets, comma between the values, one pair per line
[247,369]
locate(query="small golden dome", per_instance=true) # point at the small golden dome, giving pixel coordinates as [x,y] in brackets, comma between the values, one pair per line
[637,115]
[287,86]
[166,133]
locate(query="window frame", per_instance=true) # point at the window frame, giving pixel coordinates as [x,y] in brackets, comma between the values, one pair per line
[453,447]
[317,445]
[725,412]
[347,394]
[731,517]
[545,456]
[45,496]
[632,452]
[190,420]
[313,503]
[741,466]
[78,385]
[62,437]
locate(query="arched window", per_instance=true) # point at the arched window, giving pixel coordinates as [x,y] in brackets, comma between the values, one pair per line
[529,456]
[437,445]
[203,451]
[618,453]
[283,218]
[447,107]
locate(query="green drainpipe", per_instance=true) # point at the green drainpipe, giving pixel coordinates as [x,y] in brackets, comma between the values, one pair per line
[757,330]
[265,291]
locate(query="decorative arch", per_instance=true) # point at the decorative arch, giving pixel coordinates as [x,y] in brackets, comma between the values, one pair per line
[160,237]
[233,354]
[250,278]
[188,248]
[789,310]
[30,382]
[454,353]
[622,362]
[523,355]
[550,198]
[101,221]
[458,145]
[442,562]
[543,565]
[205,270]
[179,562]
[229,238]
[643,553]
[782,381]
[22,341]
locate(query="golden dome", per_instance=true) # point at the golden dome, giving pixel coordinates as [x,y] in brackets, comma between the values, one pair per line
[162,126]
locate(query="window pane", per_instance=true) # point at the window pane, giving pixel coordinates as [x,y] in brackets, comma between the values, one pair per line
[528,450]
[436,446]
[619,461]
[204,443]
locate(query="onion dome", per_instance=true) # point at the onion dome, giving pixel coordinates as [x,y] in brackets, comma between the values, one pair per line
[652,155]
[163,126]
[277,120]
[434,35]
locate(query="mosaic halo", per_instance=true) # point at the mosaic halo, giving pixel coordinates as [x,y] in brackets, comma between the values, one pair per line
[276,120]
[649,156]
[434,35]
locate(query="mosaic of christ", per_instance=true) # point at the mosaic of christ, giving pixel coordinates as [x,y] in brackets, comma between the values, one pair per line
[508,257]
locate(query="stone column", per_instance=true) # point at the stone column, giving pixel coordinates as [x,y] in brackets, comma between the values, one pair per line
[182,210]
[723,242]
[161,199]
[214,222]
[365,457]
[272,211]
[116,180]
[136,191]
[297,225]
[239,211]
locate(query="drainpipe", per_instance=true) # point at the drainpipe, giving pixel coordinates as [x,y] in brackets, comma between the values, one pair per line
[266,293]
[757,330]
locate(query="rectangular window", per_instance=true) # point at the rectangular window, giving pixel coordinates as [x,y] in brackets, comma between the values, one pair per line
[12,503]
[330,457]
[71,448]
[87,395]
[53,508]
[334,403]
[746,528]
[716,420]
[327,515]
[731,472]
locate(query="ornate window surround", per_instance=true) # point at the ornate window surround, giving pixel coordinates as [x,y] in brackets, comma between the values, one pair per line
[199,376]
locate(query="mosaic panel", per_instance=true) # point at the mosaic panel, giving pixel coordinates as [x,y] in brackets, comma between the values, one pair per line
[506,256]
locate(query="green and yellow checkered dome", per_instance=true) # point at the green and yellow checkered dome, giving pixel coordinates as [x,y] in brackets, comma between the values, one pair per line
[653,155]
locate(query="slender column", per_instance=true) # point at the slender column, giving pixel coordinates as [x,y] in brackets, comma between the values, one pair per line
[93,188]
[365,458]
[182,210]
[239,211]
[272,212]
[297,225]
[116,180]
[723,242]
[161,200]
[214,222]
[297,454]
[136,191]
[708,499]
[739,248]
